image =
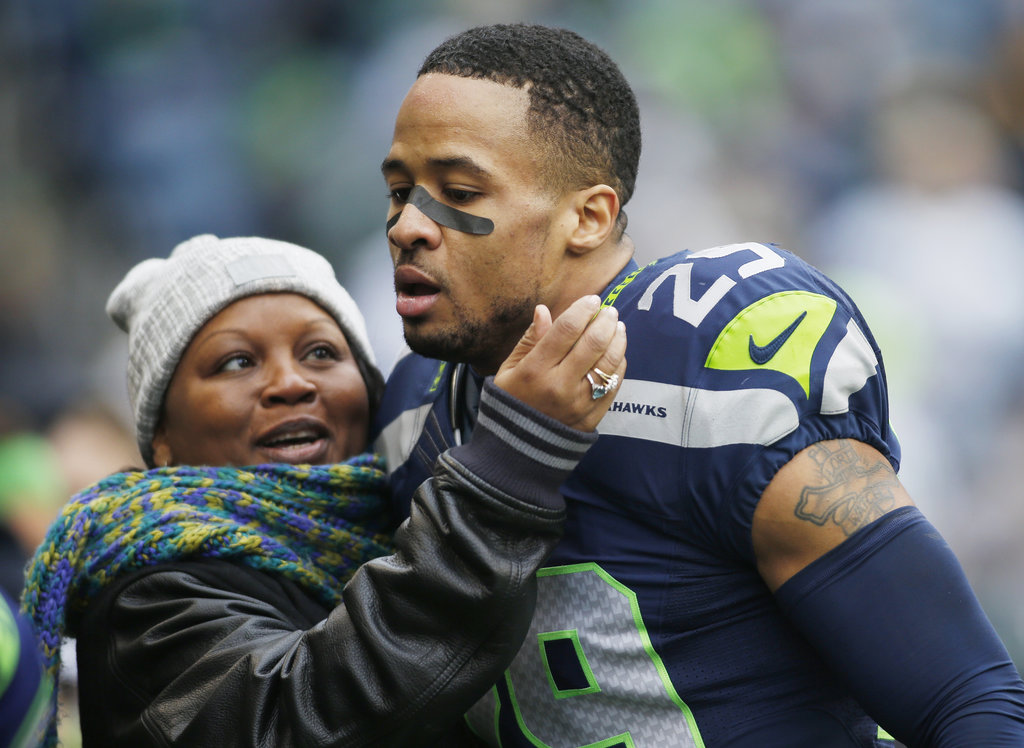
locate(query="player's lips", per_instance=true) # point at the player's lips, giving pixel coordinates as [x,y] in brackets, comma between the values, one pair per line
[296,441]
[415,291]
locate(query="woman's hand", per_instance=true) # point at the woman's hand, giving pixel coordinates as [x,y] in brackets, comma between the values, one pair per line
[548,368]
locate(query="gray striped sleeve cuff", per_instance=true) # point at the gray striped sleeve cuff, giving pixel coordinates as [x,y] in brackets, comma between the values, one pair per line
[521,451]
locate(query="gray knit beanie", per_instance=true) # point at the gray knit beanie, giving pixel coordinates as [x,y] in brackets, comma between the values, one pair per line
[162,304]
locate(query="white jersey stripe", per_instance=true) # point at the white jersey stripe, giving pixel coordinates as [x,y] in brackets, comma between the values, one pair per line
[852,364]
[699,418]
[398,437]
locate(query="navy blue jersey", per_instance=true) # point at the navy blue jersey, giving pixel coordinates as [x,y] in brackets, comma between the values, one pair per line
[25,688]
[653,627]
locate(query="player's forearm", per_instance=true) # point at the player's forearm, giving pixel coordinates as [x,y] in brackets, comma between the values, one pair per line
[943,679]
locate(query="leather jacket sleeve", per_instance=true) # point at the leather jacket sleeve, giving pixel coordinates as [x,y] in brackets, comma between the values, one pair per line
[209,653]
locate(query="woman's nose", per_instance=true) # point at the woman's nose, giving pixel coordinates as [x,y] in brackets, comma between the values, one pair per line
[287,384]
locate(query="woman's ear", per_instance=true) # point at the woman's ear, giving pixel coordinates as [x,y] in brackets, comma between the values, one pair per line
[596,209]
[162,456]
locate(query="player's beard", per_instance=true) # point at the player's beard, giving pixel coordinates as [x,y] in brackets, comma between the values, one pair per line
[483,343]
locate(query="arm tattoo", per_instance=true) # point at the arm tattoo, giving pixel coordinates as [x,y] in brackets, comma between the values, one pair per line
[853,492]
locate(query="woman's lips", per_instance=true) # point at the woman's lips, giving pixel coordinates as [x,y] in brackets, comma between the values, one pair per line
[301,440]
[298,453]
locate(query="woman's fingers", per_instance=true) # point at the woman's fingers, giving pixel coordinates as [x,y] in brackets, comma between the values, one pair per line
[534,333]
[566,331]
[600,342]
[553,369]
[604,376]
[545,344]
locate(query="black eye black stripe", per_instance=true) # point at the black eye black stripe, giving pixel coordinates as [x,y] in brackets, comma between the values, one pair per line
[444,214]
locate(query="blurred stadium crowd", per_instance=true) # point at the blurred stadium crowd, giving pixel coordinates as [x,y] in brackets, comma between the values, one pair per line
[881,139]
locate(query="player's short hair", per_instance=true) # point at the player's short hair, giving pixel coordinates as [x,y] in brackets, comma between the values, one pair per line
[581,105]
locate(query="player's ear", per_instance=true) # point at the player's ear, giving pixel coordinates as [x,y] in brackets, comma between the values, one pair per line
[595,211]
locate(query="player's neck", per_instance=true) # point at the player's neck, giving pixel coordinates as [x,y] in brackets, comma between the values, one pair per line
[592,273]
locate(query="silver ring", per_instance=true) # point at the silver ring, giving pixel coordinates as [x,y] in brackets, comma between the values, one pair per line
[608,383]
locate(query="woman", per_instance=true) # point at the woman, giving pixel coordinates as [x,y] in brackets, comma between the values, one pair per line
[222,606]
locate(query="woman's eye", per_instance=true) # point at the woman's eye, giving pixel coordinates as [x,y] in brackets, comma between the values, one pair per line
[322,353]
[236,363]
[399,194]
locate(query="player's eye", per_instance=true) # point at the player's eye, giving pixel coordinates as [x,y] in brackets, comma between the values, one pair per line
[323,352]
[458,196]
[399,194]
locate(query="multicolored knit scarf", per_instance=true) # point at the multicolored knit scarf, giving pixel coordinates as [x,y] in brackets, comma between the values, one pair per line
[314,525]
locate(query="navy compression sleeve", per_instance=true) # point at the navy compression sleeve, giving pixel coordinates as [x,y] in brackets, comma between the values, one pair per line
[892,613]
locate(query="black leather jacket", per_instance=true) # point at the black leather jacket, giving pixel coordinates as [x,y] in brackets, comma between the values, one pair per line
[211,653]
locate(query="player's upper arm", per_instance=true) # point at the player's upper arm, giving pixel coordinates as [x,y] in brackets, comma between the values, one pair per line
[823,495]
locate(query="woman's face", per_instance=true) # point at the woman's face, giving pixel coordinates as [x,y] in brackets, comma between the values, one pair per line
[270,378]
